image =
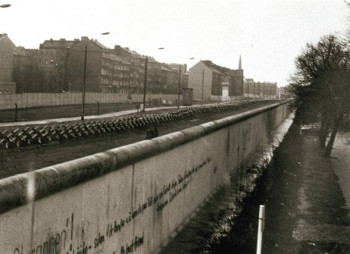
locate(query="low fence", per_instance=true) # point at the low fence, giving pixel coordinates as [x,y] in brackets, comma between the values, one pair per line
[27,100]
[132,198]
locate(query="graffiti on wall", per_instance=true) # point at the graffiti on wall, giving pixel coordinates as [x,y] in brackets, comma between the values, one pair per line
[61,242]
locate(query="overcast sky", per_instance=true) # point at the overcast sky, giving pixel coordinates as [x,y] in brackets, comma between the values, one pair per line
[269,34]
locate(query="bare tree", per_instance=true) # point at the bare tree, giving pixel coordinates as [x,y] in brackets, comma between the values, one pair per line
[322,81]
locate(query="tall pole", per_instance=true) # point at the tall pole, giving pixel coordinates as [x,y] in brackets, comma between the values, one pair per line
[248,90]
[84,80]
[202,86]
[144,86]
[261,225]
[178,94]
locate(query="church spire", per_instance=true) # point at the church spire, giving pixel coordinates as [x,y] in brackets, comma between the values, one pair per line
[240,63]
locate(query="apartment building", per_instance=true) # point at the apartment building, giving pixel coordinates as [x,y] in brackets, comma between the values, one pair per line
[105,71]
[54,54]
[136,66]
[254,89]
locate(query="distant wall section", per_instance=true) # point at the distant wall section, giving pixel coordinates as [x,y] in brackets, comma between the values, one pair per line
[27,100]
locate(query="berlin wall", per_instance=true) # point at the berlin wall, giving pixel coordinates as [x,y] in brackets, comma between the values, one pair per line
[130,199]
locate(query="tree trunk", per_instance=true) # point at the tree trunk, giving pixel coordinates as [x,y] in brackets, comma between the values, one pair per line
[329,147]
[323,131]
[322,137]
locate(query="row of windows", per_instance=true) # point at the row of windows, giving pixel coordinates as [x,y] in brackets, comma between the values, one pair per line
[115,65]
[106,81]
[114,74]
[119,83]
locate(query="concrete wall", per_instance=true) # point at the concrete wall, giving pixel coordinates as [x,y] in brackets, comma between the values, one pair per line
[137,195]
[7,87]
[26,100]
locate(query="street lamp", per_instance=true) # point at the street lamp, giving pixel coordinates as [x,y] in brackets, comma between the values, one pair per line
[179,91]
[84,85]
[56,66]
[202,86]
[84,81]
[145,83]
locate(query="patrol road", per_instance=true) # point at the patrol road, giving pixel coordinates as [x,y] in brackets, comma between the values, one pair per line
[19,160]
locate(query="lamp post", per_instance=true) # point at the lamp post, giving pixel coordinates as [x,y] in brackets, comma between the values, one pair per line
[84,81]
[57,74]
[84,85]
[144,87]
[178,94]
[145,83]
[202,86]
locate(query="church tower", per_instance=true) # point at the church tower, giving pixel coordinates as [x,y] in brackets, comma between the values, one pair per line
[240,63]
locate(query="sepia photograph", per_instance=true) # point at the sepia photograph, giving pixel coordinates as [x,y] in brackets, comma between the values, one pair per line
[175,126]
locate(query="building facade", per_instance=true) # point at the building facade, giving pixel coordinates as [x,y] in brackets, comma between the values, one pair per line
[58,66]
[105,71]
[212,82]
[261,90]
[136,65]
[6,65]
[55,55]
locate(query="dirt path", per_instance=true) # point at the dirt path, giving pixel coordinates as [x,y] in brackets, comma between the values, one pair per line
[341,164]
[306,210]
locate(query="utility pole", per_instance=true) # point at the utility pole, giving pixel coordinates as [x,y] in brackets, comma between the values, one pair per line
[144,87]
[83,91]
[178,95]
[202,86]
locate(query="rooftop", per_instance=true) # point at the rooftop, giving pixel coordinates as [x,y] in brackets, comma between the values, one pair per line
[217,68]
[54,44]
